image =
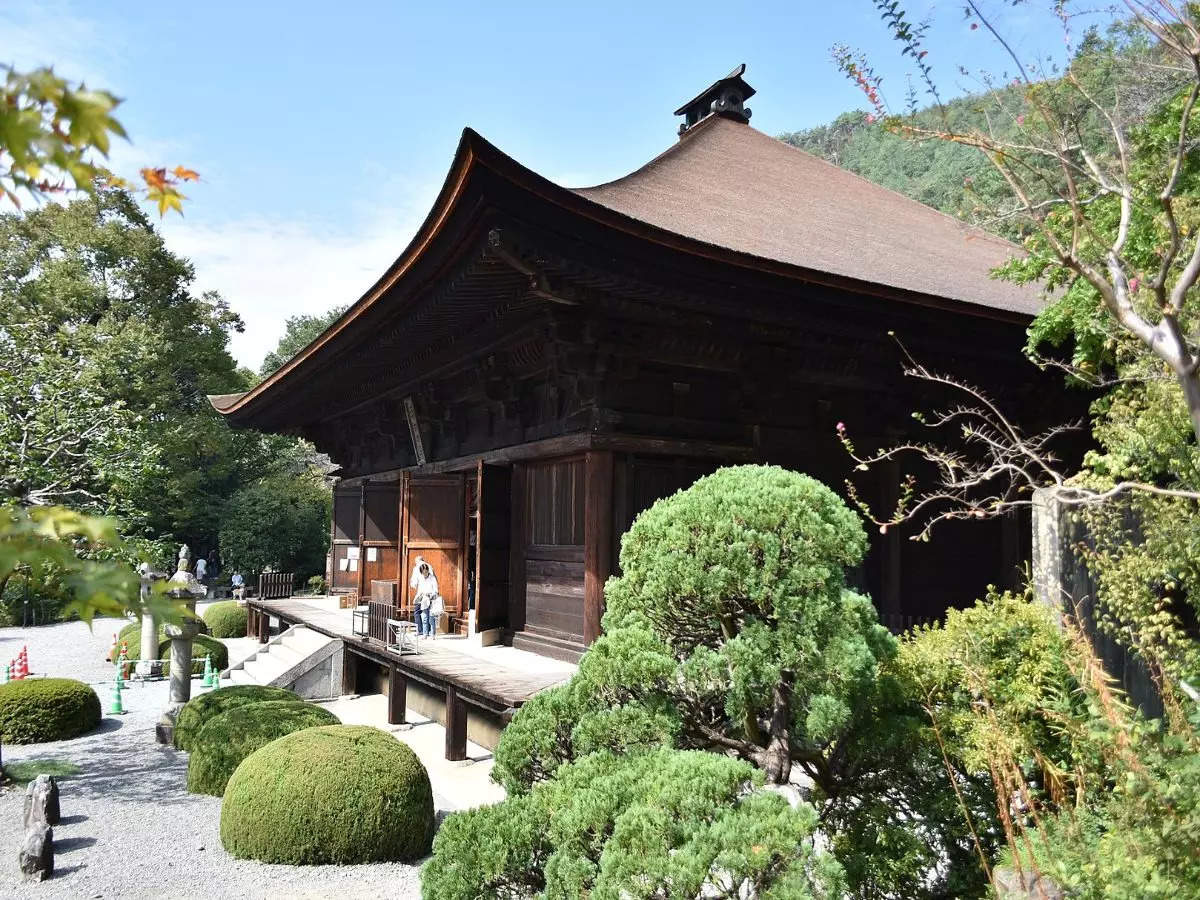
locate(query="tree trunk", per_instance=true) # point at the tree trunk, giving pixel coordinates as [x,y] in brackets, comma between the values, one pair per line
[777,758]
[1191,395]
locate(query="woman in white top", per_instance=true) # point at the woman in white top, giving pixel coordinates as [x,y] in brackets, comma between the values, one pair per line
[425,583]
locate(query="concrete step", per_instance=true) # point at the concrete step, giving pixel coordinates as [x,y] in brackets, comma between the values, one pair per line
[284,653]
[239,676]
[301,659]
[265,669]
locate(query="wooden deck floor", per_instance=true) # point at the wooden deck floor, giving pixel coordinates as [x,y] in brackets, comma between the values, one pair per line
[503,682]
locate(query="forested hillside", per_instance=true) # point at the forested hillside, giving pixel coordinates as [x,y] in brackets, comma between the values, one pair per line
[1121,69]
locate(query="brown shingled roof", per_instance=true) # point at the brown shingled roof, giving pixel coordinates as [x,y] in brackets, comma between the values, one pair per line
[732,186]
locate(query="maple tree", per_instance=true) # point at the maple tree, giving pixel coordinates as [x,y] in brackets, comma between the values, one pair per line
[55,137]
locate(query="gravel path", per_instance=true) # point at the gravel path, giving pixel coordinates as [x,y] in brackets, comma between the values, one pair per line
[129,828]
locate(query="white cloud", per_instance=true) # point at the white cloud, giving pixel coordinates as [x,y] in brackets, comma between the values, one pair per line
[269,269]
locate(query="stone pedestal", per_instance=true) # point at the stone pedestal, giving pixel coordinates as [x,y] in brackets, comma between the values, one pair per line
[181,667]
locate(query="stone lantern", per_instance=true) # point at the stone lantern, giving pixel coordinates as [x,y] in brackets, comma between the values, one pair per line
[184,588]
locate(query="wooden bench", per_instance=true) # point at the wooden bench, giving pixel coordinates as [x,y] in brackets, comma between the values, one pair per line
[276,585]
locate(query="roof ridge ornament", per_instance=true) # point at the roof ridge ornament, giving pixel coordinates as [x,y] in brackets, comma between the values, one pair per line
[725,97]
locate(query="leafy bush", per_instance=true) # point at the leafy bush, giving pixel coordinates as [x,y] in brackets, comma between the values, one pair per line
[334,794]
[1024,709]
[226,619]
[36,710]
[317,585]
[630,826]
[731,615]
[197,711]
[229,737]
[731,630]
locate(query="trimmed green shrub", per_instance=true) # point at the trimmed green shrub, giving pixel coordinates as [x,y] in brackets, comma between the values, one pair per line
[197,711]
[630,826]
[228,738]
[36,710]
[226,619]
[335,794]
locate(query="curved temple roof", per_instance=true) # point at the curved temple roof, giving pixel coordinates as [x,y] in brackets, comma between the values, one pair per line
[730,192]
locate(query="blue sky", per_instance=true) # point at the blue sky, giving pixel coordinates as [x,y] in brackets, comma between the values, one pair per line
[323,130]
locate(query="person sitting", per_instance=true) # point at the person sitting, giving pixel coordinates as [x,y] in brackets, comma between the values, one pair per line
[239,587]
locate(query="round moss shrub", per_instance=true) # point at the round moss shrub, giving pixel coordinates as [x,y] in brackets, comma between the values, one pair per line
[197,711]
[226,619]
[337,794]
[36,710]
[229,737]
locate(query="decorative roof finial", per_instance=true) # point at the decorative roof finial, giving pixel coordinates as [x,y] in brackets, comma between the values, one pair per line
[726,97]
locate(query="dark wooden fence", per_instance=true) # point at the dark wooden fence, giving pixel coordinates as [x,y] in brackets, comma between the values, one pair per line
[276,585]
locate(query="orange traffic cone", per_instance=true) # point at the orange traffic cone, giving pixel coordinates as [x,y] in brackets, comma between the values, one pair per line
[23,660]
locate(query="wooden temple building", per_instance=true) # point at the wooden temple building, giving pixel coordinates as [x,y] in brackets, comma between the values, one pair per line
[541,363]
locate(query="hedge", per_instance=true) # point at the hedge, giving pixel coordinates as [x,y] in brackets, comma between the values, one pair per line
[336,794]
[36,710]
[229,737]
[197,711]
[226,619]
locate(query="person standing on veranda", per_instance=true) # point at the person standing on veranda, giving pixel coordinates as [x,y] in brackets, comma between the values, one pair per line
[425,584]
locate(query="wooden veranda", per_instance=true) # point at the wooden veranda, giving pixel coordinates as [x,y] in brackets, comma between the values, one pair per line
[463,679]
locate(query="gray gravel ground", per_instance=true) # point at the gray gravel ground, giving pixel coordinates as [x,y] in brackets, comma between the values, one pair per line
[129,828]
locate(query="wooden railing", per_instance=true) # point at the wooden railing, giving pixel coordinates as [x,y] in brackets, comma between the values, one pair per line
[275,585]
[380,608]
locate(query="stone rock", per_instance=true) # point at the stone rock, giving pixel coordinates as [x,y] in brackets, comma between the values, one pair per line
[1011,886]
[37,853]
[41,802]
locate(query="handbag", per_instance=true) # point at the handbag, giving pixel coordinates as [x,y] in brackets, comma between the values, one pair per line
[437,605]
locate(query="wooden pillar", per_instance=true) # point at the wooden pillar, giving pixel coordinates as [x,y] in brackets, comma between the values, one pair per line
[397,696]
[456,725]
[349,673]
[597,538]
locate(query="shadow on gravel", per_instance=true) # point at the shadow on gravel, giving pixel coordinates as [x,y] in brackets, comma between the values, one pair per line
[66,845]
[72,820]
[107,724]
[154,775]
